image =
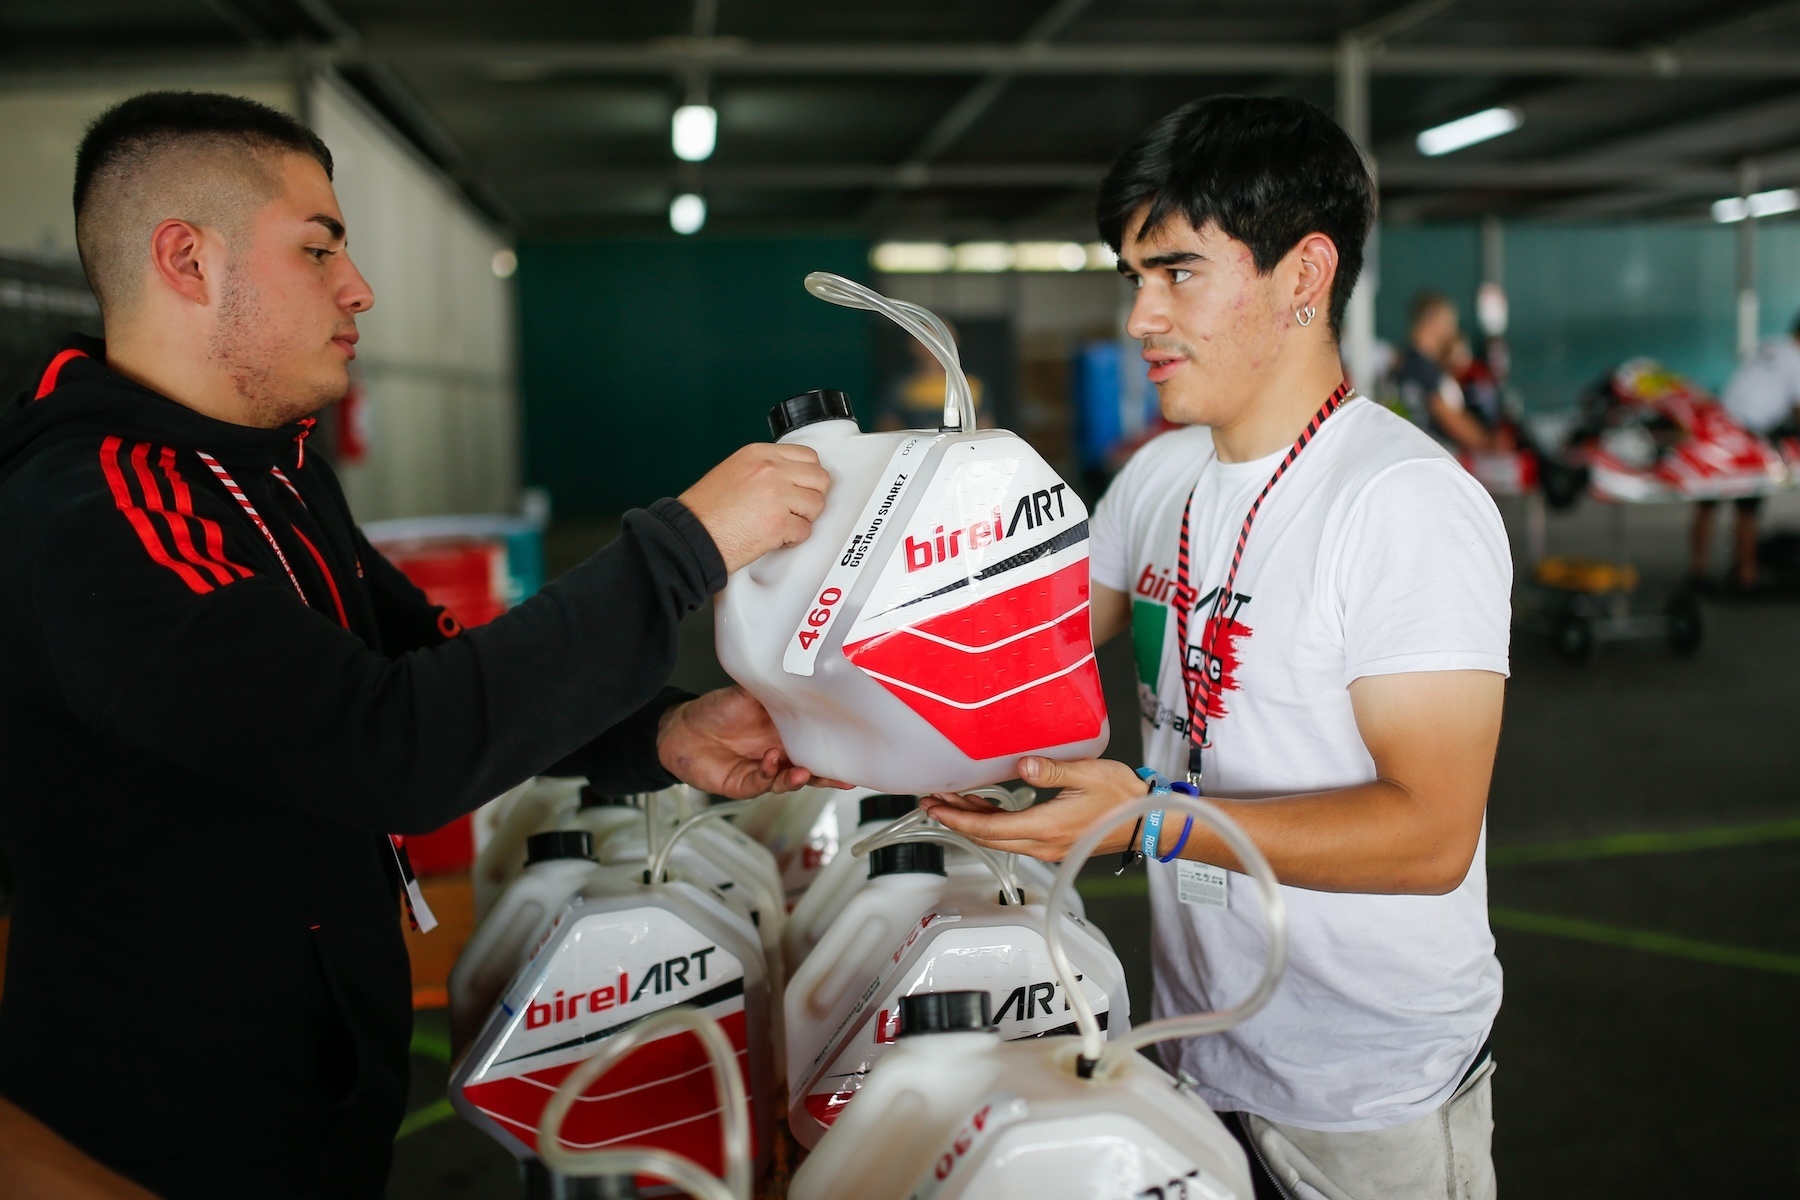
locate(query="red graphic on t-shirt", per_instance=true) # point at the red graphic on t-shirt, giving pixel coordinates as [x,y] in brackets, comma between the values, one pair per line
[1215,653]
[1219,656]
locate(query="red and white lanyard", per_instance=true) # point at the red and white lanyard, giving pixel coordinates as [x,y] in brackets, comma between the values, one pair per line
[417,909]
[1200,664]
[237,493]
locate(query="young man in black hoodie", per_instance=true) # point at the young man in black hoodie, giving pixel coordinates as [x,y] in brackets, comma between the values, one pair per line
[218,701]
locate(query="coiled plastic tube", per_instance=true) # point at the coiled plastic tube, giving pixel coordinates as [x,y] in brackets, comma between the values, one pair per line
[1094,1046]
[681,1171]
[922,323]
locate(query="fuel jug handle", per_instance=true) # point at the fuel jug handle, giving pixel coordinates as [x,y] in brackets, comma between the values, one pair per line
[659,864]
[681,1171]
[915,826]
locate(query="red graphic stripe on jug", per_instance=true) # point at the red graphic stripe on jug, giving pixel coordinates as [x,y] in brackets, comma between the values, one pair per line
[661,1095]
[1007,674]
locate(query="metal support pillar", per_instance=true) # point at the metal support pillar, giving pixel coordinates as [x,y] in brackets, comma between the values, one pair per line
[1358,345]
[1747,309]
[1493,251]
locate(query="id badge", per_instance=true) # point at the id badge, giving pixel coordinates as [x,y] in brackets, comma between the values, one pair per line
[1202,884]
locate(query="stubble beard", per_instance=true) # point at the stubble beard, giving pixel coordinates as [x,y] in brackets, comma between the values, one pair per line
[243,346]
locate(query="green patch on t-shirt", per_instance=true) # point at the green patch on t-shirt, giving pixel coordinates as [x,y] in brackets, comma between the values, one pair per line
[1149,621]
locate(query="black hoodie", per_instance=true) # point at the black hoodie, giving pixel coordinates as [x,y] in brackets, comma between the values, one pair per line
[216,702]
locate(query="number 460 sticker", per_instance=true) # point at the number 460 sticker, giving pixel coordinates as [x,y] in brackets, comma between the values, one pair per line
[819,617]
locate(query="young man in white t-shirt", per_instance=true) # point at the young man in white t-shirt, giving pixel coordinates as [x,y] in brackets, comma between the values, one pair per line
[1345,676]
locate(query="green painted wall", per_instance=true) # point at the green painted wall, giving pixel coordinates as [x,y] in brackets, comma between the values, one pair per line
[1586,296]
[643,363]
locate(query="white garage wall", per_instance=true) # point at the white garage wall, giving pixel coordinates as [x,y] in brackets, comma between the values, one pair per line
[40,127]
[436,360]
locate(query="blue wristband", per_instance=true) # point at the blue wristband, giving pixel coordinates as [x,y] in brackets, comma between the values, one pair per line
[1187,827]
[1152,832]
[1157,781]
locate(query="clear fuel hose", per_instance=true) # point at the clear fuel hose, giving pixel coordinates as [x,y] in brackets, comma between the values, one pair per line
[1094,1046]
[915,826]
[683,1172]
[659,862]
[922,323]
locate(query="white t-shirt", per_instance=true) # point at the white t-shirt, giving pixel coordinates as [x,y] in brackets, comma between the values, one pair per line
[1764,391]
[1375,554]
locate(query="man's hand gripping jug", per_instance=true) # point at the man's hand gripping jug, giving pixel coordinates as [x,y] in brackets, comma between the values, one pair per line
[935,625]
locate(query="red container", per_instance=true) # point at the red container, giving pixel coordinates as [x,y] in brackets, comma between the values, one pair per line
[469,577]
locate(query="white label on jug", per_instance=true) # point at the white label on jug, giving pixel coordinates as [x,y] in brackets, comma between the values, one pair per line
[993,1113]
[609,970]
[979,619]
[1202,884]
[1009,962]
[821,613]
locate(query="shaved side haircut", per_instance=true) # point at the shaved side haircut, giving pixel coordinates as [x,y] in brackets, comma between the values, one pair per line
[202,157]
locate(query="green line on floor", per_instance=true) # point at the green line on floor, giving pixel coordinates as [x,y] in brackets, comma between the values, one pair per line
[427,1044]
[1642,939]
[424,1118]
[1621,844]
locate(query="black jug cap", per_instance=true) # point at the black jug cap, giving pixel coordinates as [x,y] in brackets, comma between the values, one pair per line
[558,843]
[946,1012]
[885,807]
[807,408]
[916,858]
[591,798]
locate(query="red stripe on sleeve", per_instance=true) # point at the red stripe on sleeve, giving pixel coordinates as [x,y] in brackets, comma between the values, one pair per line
[325,571]
[47,384]
[178,530]
[209,529]
[140,521]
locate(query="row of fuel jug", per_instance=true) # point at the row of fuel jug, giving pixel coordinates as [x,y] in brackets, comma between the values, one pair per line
[812,941]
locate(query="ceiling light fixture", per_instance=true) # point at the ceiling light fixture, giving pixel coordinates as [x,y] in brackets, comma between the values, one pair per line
[1049,256]
[694,132]
[687,213]
[1466,131]
[939,258]
[1758,204]
[912,258]
[984,257]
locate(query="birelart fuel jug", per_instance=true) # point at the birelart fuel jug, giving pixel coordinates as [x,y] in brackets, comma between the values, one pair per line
[609,960]
[954,1113]
[934,626]
[914,929]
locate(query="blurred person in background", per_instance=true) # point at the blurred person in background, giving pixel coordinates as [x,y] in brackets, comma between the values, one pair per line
[1763,395]
[915,400]
[1480,389]
[1429,392]
[218,702]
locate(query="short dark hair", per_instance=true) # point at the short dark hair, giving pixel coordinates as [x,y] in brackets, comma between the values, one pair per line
[151,119]
[139,162]
[1267,170]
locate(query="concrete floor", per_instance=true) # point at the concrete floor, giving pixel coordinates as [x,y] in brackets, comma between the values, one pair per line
[1651,1023]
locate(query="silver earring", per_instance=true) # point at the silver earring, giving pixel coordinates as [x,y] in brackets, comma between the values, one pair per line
[1305,315]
